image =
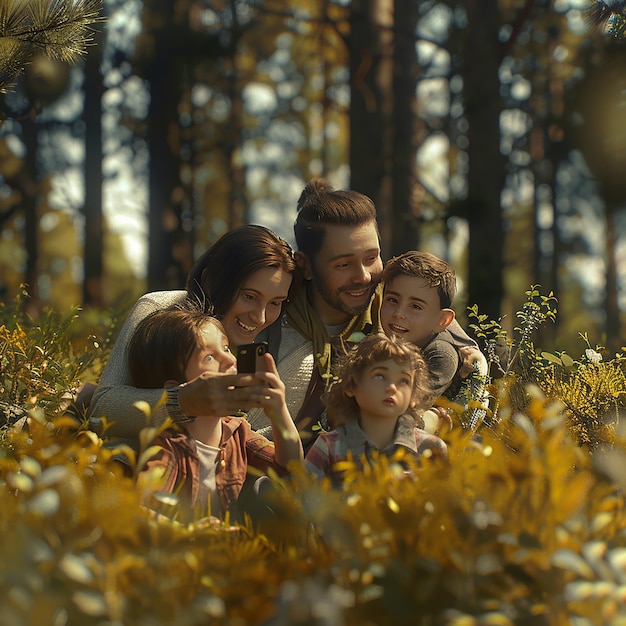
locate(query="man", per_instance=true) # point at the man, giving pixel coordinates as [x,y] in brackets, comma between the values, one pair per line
[339,258]
[337,305]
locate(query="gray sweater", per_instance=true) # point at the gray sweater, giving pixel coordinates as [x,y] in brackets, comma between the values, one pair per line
[115,396]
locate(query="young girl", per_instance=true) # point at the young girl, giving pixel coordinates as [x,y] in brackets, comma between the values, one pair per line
[373,406]
[206,458]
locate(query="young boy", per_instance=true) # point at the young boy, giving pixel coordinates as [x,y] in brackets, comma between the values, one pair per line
[205,459]
[418,292]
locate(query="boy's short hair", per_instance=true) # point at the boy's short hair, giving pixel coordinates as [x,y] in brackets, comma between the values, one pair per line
[372,349]
[320,205]
[435,271]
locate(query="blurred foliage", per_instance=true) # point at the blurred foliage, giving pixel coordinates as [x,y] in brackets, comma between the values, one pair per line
[524,526]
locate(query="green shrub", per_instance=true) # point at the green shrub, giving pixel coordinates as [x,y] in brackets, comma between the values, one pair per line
[43,362]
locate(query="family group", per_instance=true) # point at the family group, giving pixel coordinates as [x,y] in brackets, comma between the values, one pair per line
[354,353]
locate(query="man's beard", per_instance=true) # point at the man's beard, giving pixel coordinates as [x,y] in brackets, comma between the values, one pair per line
[333,297]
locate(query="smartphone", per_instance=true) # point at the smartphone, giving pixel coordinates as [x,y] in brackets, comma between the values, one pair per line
[250,357]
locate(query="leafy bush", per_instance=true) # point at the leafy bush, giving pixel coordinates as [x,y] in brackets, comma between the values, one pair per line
[593,391]
[42,363]
[524,526]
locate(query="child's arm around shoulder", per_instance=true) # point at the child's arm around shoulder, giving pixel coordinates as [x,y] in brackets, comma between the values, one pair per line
[443,361]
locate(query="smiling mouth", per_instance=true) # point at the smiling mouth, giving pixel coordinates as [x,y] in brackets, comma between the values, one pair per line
[398,329]
[245,327]
[358,294]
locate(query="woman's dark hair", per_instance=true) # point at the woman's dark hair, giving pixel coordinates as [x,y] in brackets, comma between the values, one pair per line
[217,276]
[370,350]
[321,205]
[162,344]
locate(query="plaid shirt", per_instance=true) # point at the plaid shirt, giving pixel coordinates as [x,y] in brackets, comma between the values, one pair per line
[332,447]
[240,448]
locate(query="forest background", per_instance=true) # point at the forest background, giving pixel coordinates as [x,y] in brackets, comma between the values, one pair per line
[490,132]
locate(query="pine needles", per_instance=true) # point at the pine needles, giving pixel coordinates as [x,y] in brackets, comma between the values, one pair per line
[60,29]
[610,16]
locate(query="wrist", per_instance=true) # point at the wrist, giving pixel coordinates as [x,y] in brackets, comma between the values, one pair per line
[172,404]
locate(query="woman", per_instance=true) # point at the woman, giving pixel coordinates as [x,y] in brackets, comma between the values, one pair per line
[243,280]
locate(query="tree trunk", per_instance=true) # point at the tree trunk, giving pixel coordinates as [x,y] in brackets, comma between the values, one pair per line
[613,326]
[601,99]
[94,225]
[486,173]
[178,45]
[371,107]
[238,208]
[404,208]
[163,270]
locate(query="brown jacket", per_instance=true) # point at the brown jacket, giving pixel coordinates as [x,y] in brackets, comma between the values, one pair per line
[240,447]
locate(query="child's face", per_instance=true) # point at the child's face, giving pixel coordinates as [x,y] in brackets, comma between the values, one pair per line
[211,354]
[411,309]
[384,390]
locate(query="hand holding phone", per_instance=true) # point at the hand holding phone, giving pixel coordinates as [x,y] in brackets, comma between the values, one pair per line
[250,357]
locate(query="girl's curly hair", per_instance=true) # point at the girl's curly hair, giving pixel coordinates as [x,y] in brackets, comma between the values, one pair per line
[370,350]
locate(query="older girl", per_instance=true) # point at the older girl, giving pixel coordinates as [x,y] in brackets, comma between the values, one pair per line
[205,461]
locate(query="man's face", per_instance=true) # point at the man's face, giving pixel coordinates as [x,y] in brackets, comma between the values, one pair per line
[345,272]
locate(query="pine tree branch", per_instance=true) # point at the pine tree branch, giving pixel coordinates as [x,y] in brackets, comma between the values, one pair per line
[62,29]
[609,16]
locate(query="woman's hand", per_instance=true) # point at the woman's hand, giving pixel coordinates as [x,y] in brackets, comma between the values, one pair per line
[218,394]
